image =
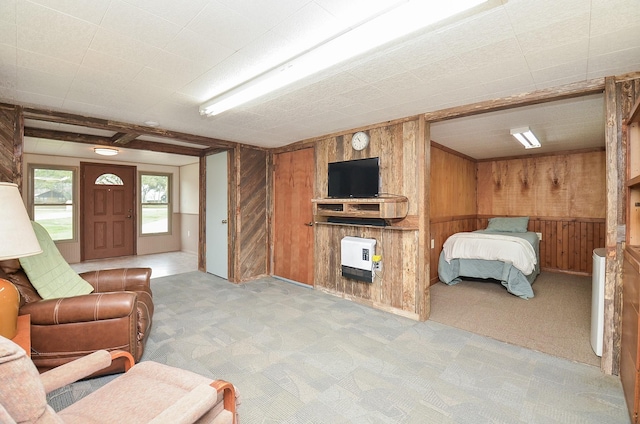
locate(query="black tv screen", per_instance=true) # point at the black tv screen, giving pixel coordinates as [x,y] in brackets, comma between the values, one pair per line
[354,178]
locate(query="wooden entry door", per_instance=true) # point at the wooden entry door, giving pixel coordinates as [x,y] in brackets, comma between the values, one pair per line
[107,210]
[293,215]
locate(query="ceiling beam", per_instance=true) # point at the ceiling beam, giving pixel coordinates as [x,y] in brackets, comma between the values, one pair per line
[123,127]
[106,141]
[525,99]
[123,138]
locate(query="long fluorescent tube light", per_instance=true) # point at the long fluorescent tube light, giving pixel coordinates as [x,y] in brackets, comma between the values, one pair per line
[526,138]
[410,16]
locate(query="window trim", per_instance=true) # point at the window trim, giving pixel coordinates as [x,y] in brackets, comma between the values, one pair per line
[75,221]
[169,202]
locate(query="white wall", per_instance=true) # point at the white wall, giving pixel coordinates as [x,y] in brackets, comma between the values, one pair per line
[145,244]
[189,207]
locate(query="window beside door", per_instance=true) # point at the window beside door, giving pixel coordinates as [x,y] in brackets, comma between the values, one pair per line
[52,199]
[155,203]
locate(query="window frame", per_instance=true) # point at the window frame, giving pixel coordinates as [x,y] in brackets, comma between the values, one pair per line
[31,204]
[168,203]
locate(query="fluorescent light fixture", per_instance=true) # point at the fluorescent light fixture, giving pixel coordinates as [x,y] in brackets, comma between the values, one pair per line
[525,137]
[376,31]
[106,151]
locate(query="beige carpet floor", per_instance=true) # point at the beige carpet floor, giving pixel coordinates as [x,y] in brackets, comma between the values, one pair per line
[556,321]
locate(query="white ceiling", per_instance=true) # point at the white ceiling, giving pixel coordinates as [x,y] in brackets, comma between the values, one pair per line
[140,60]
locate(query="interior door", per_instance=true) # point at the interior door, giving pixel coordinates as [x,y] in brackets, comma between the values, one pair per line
[217,255]
[293,215]
[107,216]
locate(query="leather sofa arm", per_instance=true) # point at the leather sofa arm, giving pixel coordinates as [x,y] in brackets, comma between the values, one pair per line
[88,307]
[120,279]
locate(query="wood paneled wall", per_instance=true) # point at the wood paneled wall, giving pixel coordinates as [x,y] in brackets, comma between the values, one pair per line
[564,196]
[251,260]
[567,244]
[453,184]
[11,142]
[565,186]
[395,289]
[453,199]
[396,147]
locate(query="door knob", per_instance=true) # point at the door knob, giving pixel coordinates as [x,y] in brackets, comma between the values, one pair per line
[309,224]
[224,221]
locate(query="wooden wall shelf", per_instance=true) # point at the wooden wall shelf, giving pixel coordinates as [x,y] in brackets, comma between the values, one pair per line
[391,207]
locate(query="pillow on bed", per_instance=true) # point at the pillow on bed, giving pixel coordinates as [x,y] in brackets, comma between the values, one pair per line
[508,225]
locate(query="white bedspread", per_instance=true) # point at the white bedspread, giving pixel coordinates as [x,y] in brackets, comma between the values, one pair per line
[515,250]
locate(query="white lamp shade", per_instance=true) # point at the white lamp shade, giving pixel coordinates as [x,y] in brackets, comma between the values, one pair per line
[16,233]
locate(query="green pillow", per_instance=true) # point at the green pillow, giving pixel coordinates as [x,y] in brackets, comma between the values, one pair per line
[508,225]
[49,273]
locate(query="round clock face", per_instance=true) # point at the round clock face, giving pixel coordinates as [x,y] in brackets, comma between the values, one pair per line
[360,140]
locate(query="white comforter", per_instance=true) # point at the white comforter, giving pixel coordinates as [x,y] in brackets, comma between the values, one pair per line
[515,250]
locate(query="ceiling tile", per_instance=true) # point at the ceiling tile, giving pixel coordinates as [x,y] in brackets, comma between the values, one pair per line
[90,11]
[309,26]
[615,63]
[38,62]
[501,51]
[576,70]
[48,32]
[612,15]
[192,46]
[620,39]
[267,13]
[473,33]
[139,24]
[126,48]
[8,34]
[558,55]
[177,12]
[8,11]
[105,63]
[227,27]
[352,11]
[526,16]
[558,33]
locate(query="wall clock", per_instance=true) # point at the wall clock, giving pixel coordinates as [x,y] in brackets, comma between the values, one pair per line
[360,140]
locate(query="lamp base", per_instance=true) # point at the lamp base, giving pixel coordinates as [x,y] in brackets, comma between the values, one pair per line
[9,305]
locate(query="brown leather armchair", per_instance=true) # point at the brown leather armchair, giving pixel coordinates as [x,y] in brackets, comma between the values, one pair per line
[116,316]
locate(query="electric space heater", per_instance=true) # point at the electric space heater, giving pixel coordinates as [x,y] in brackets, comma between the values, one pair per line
[356,258]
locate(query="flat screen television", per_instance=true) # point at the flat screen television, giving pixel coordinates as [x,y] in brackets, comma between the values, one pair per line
[354,178]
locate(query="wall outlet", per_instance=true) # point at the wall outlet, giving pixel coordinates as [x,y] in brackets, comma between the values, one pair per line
[539,236]
[433,243]
[377,266]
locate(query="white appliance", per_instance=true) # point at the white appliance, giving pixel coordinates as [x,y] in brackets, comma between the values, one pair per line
[597,301]
[356,258]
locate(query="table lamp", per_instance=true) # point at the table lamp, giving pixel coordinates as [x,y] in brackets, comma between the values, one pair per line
[17,240]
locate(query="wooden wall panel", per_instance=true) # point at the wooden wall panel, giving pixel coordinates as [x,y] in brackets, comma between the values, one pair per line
[396,145]
[567,243]
[453,200]
[252,240]
[11,130]
[393,288]
[440,231]
[565,185]
[453,185]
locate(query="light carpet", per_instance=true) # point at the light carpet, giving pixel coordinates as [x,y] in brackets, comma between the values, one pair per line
[302,356]
[556,321]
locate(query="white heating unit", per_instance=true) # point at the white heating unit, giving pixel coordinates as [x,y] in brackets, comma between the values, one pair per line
[356,257]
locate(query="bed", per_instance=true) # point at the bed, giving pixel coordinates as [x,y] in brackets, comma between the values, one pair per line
[504,251]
